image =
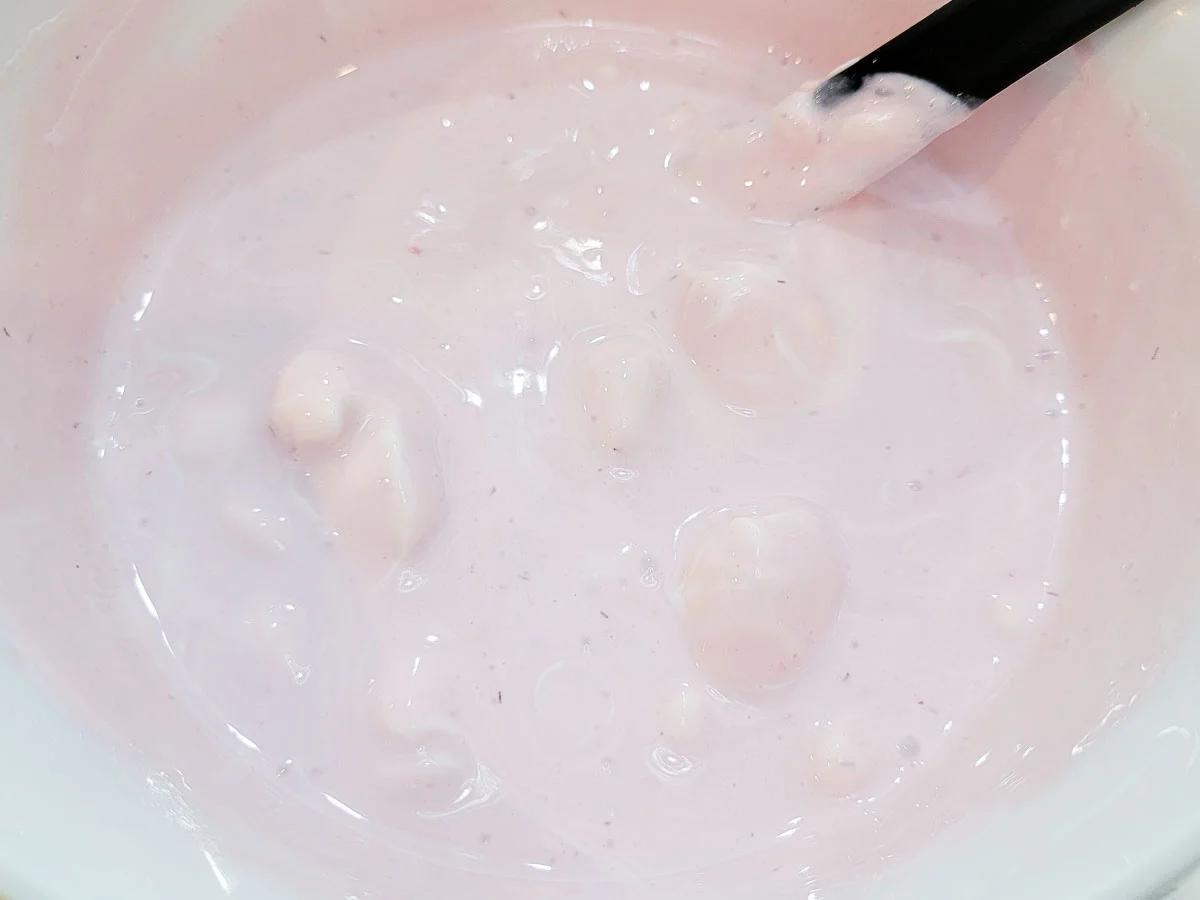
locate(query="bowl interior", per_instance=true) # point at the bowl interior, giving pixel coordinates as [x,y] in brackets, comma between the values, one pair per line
[1117,246]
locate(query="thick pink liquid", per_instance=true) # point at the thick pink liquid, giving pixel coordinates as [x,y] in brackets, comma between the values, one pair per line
[532,629]
[460,490]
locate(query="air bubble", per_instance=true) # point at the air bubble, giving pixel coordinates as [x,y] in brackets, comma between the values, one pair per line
[537,291]
[669,765]
[409,581]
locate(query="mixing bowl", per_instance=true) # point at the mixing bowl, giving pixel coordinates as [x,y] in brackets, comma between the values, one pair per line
[88,810]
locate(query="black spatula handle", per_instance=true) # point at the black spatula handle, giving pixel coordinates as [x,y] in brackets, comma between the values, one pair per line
[974,49]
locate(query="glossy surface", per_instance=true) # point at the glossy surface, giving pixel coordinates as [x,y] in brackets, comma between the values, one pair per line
[1104,409]
[576,434]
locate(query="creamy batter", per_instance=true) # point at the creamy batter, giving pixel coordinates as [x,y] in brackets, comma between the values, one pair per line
[508,490]
[804,157]
[513,474]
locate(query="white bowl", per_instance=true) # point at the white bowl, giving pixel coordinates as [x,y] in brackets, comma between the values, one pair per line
[82,818]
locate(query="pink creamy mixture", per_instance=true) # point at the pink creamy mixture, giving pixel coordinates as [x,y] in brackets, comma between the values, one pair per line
[493,477]
[495,481]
